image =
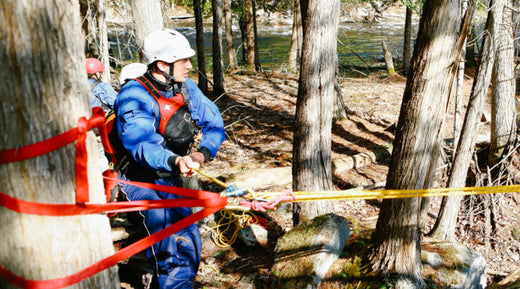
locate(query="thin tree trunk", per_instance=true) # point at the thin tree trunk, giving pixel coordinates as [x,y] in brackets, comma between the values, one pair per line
[258,67]
[201,59]
[312,134]
[35,105]
[503,110]
[388,59]
[459,92]
[250,34]
[445,225]
[218,66]
[407,46]
[340,108]
[233,64]
[296,38]
[397,238]
[103,40]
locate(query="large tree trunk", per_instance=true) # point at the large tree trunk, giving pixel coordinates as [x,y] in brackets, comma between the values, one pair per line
[218,66]
[397,238]
[503,109]
[312,132]
[43,93]
[147,16]
[296,38]
[446,223]
[233,64]
[201,59]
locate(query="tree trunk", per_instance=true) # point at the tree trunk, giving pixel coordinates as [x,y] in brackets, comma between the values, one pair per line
[407,46]
[459,92]
[103,41]
[201,59]
[445,224]
[95,32]
[388,59]
[218,66]
[296,38]
[340,109]
[233,64]
[312,134]
[258,66]
[503,118]
[87,13]
[147,16]
[35,105]
[417,144]
[250,34]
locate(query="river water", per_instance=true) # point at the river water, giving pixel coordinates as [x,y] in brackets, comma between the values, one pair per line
[358,43]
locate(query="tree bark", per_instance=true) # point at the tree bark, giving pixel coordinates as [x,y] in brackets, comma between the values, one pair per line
[201,59]
[95,32]
[44,93]
[103,40]
[388,59]
[503,109]
[233,63]
[147,16]
[250,34]
[397,238]
[296,38]
[218,66]
[258,66]
[312,134]
[407,45]
[445,224]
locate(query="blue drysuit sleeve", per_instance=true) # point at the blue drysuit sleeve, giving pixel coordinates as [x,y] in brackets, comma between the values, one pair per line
[207,116]
[137,120]
[104,92]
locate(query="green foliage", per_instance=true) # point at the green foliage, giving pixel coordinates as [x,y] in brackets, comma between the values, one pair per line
[415,5]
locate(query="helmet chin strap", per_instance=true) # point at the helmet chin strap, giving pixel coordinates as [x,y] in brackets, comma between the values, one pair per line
[170,79]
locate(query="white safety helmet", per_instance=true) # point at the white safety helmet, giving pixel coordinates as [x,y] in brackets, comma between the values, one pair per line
[166,45]
[131,71]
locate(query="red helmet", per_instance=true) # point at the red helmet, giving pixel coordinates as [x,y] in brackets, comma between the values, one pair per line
[93,65]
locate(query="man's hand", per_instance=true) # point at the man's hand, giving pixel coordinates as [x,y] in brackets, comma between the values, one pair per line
[186,165]
[198,157]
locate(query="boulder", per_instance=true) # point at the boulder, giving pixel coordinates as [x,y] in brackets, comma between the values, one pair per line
[303,255]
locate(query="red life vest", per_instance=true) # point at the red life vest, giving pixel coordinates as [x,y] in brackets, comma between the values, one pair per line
[176,124]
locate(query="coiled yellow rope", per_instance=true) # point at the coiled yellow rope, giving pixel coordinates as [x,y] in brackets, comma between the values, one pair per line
[225,232]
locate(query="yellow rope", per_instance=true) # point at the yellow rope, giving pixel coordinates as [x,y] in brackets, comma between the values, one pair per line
[229,218]
[302,196]
[225,225]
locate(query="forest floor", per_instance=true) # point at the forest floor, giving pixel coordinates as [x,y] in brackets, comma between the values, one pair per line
[259,117]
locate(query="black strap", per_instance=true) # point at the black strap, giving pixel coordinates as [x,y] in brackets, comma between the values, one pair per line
[149,86]
[94,84]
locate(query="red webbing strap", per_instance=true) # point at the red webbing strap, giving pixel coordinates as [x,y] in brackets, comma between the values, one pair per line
[44,147]
[120,255]
[212,202]
[194,198]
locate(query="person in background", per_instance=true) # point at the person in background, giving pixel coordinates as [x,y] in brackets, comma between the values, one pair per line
[157,117]
[131,71]
[102,94]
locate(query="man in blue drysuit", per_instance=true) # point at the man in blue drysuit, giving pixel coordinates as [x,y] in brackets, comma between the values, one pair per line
[102,94]
[157,117]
